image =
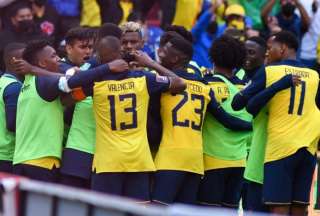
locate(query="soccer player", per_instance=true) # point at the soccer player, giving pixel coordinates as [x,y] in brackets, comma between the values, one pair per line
[78,154]
[10,85]
[122,161]
[225,151]
[38,149]
[179,161]
[252,194]
[292,135]
[131,39]
[174,31]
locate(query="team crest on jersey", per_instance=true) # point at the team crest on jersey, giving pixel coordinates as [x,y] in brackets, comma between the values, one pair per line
[162,79]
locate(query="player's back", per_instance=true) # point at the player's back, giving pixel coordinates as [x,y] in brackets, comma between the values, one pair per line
[120,107]
[182,118]
[293,113]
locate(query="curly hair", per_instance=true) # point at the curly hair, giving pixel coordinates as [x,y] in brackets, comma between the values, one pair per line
[30,53]
[227,52]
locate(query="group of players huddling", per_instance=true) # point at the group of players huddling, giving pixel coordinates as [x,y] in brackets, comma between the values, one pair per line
[164,132]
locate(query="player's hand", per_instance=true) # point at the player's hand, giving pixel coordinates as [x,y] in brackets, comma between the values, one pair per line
[296,80]
[118,66]
[21,66]
[142,58]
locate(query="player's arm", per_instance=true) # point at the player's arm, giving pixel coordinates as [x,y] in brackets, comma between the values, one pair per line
[226,119]
[256,103]
[23,67]
[177,84]
[86,78]
[10,98]
[257,84]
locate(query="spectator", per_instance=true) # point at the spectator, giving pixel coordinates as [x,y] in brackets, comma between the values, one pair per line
[47,18]
[287,19]
[253,10]
[3,7]
[23,27]
[168,9]
[90,14]
[190,7]
[207,29]
[69,12]
[110,11]
[309,41]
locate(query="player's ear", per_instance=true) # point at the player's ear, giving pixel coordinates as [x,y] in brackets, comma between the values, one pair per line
[283,49]
[42,63]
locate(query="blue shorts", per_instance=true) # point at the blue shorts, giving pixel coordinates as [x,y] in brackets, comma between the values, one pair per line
[76,163]
[222,187]
[175,186]
[37,173]
[135,185]
[252,197]
[288,180]
[5,166]
[75,181]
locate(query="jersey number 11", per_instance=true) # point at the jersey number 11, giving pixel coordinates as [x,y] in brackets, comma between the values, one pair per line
[292,98]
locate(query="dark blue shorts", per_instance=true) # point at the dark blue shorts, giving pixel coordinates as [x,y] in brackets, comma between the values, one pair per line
[6,166]
[175,186]
[252,197]
[222,187]
[76,163]
[37,173]
[289,180]
[132,184]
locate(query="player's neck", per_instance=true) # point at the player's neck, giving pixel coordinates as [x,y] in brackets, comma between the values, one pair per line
[225,72]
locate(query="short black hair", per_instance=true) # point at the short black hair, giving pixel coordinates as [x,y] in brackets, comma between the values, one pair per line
[32,49]
[109,29]
[287,38]
[183,46]
[167,36]
[181,30]
[16,6]
[79,33]
[260,41]
[9,50]
[113,43]
[227,52]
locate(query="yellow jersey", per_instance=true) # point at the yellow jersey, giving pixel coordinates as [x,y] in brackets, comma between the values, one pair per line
[294,117]
[182,118]
[120,108]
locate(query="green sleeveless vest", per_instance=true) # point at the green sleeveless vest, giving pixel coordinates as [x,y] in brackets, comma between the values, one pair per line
[7,138]
[82,133]
[223,143]
[39,127]
[255,164]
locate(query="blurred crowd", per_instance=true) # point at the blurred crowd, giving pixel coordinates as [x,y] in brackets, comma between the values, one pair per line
[25,20]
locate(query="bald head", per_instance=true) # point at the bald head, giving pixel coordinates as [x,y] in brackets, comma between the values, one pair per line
[109,49]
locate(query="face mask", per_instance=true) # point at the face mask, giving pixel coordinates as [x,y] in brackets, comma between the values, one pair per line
[236,24]
[40,3]
[288,9]
[25,25]
[212,27]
